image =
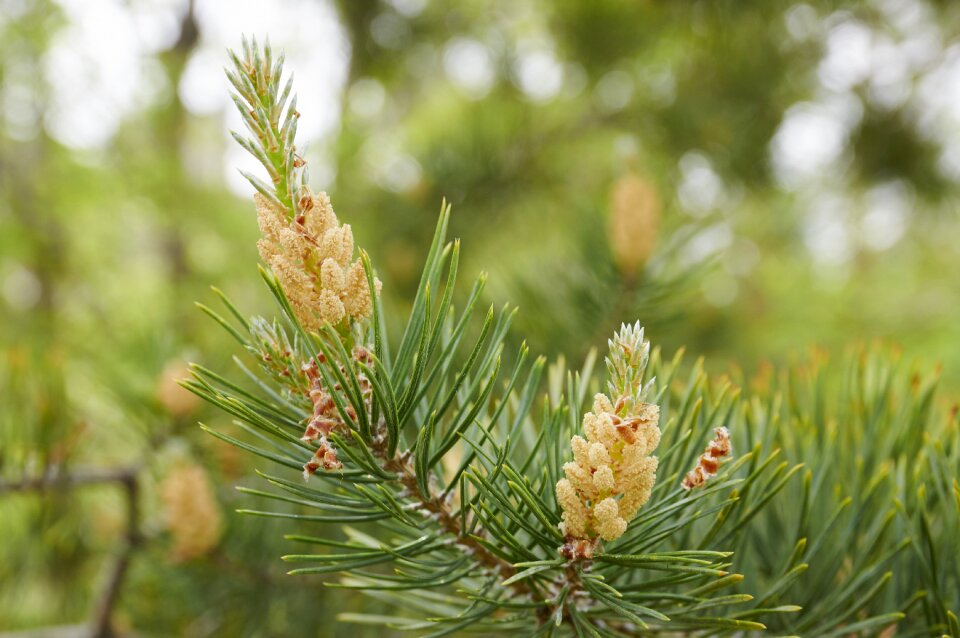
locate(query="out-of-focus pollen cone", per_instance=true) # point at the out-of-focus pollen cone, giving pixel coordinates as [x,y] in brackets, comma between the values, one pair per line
[176,400]
[191,512]
[634,219]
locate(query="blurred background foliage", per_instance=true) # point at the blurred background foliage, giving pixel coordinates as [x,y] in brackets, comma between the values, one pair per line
[744,177]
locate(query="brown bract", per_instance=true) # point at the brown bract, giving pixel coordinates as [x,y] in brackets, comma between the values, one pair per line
[709,462]
[326,417]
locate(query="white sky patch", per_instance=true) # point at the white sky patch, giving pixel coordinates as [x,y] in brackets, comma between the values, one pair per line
[886,62]
[936,110]
[848,58]
[156,22]
[317,54]
[100,67]
[899,65]
[93,69]
[469,66]
[701,189]
[812,138]
[937,93]
[886,217]
[826,231]
[905,15]
[539,73]
[197,84]
[890,82]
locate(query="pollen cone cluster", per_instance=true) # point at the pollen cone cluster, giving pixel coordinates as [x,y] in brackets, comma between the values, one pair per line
[612,473]
[312,257]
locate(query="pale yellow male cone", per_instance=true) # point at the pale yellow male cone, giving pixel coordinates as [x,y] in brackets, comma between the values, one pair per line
[312,257]
[613,470]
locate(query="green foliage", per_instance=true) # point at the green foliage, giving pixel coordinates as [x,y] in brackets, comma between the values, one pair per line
[574,297]
[873,501]
[874,520]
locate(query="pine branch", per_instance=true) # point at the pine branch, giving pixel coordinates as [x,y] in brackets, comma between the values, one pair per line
[110,594]
[365,404]
[456,479]
[54,478]
[437,506]
[100,625]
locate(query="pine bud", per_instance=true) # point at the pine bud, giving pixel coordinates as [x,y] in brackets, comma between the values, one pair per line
[326,417]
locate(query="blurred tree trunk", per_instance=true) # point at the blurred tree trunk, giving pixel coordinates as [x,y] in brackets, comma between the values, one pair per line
[170,135]
[356,16]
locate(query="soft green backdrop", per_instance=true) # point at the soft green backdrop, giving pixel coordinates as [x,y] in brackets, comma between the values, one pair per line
[804,156]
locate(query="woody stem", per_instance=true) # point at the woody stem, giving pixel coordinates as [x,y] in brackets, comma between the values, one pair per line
[437,505]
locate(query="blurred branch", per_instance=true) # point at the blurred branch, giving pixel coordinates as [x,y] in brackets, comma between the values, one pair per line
[99,626]
[77,478]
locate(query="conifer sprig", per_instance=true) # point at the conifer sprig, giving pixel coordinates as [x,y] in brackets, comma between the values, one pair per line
[432,475]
